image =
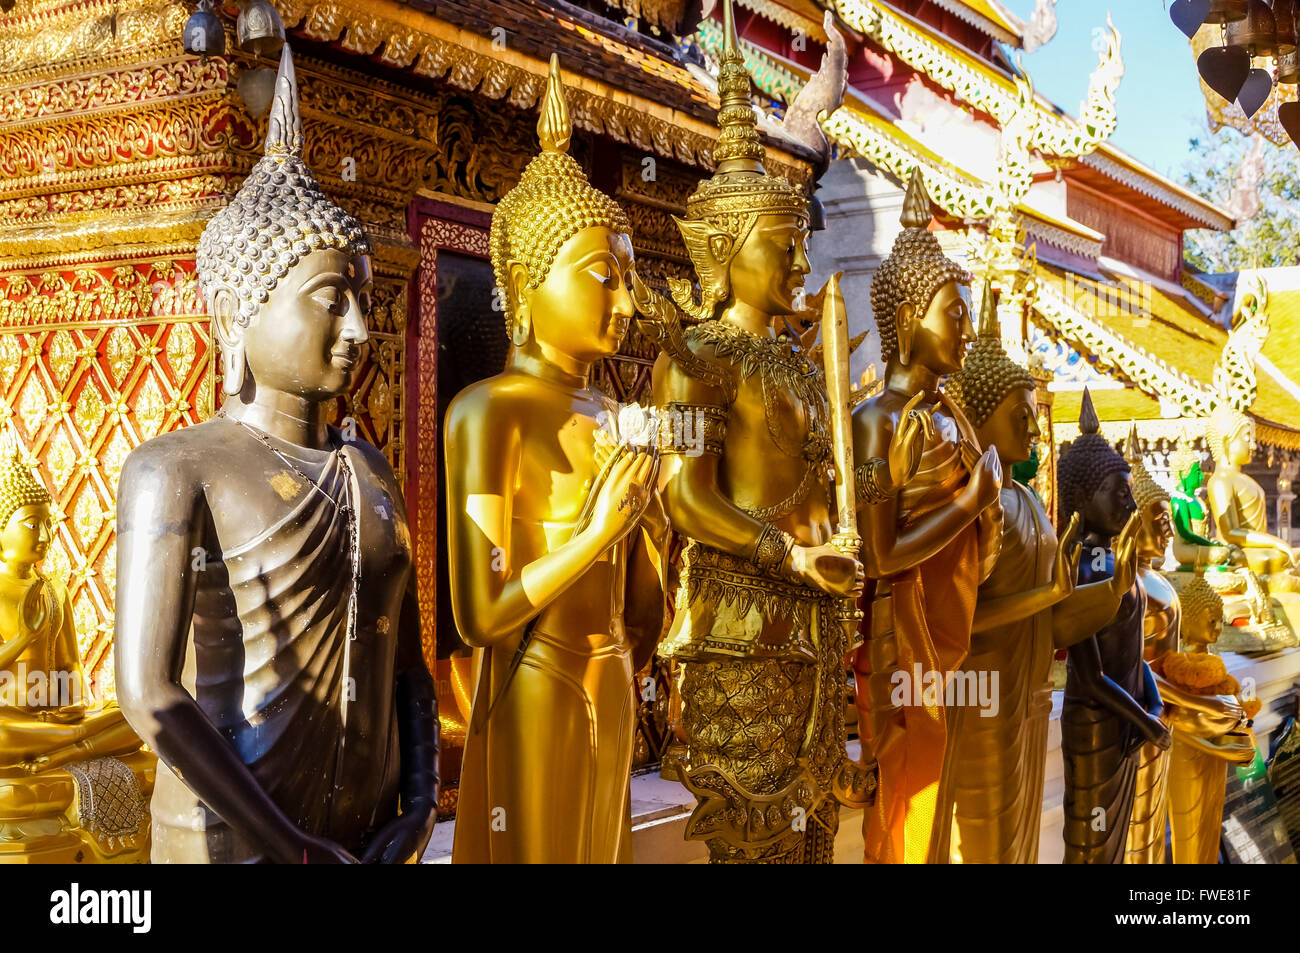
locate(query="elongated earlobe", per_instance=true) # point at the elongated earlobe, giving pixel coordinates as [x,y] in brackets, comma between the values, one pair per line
[230,334]
[522,326]
[905,326]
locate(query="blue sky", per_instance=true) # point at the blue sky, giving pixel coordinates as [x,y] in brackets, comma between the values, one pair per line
[1159,100]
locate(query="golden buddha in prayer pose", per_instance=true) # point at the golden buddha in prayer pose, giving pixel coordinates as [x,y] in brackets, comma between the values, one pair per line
[1238,505]
[55,756]
[926,545]
[1112,705]
[991,796]
[268,639]
[1146,833]
[556,535]
[1211,727]
[755,630]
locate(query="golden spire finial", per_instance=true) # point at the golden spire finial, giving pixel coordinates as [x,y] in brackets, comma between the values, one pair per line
[1145,489]
[1131,453]
[738,147]
[1088,420]
[916,204]
[989,314]
[284,127]
[554,128]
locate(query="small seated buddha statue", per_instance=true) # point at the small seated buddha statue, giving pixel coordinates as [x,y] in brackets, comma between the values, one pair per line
[1146,833]
[1191,548]
[1112,705]
[1211,726]
[1238,504]
[991,796]
[556,536]
[73,781]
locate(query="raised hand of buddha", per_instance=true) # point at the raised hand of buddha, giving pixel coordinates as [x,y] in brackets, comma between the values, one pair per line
[915,428]
[1065,565]
[985,477]
[623,494]
[825,568]
[1125,550]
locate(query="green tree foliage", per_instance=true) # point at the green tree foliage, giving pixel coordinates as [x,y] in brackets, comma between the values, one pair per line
[1268,239]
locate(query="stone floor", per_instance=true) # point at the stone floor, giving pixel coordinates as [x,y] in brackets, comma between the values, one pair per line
[660,808]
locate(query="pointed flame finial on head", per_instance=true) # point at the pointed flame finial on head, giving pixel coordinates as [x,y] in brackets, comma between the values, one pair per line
[284,128]
[1131,452]
[738,147]
[1088,419]
[916,204]
[554,128]
[989,328]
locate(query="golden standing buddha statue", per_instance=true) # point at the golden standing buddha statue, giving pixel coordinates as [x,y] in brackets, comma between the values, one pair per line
[991,797]
[267,633]
[1211,727]
[556,540]
[1238,505]
[747,459]
[1146,832]
[1112,705]
[56,759]
[927,544]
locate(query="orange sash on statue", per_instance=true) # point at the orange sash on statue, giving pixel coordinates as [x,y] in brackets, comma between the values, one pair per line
[919,617]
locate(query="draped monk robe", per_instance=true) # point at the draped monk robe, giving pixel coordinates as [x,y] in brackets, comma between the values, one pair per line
[1198,783]
[991,797]
[1147,826]
[545,775]
[270,657]
[921,616]
[1097,746]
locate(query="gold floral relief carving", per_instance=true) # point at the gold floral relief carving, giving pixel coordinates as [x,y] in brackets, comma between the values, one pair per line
[88,370]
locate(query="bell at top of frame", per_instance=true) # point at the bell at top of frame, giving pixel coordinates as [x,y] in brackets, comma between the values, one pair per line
[259,29]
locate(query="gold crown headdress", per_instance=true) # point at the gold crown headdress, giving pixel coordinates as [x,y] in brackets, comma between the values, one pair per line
[18,488]
[740,190]
[1145,489]
[914,271]
[987,375]
[1085,462]
[278,216]
[552,202]
[740,186]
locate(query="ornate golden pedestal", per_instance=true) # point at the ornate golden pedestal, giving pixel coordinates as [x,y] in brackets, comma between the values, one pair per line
[84,814]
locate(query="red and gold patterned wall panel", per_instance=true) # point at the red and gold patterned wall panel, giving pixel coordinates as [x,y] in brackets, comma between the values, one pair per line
[94,360]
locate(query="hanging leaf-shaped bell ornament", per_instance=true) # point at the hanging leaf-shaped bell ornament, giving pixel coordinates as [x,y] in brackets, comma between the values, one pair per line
[1257,34]
[1288,114]
[1188,15]
[203,34]
[1227,11]
[1255,91]
[1224,69]
[259,29]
